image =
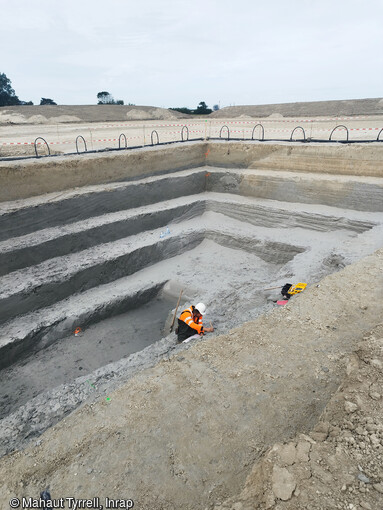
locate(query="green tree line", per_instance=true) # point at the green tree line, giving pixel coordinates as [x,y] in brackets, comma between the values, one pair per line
[202,109]
[8,97]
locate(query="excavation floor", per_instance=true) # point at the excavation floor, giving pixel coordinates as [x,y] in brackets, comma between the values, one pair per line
[229,271]
[118,337]
[185,433]
[72,356]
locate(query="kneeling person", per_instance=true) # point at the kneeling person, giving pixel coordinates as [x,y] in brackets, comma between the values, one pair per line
[190,323]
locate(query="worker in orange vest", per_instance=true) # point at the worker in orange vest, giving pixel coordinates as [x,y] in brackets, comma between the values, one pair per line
[190,323]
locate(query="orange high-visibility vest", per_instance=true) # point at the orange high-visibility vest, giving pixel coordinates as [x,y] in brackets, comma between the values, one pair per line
[187,317]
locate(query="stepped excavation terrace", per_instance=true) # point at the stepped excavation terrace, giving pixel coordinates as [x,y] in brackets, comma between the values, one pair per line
[105,243]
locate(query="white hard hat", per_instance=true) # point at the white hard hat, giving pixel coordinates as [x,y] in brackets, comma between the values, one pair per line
[201,308]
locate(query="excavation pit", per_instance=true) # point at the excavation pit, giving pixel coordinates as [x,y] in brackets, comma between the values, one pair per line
[81,354]
[64,359]
[99,257]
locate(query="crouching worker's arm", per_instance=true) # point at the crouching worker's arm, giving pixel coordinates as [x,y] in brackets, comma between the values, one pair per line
[197,318]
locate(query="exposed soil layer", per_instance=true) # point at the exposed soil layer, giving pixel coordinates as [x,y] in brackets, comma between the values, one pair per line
[186,433]
[183,424]
[339,464]
[33,178]
[306,109]
[49,265]
[107,113]
[46,114]
[79,355]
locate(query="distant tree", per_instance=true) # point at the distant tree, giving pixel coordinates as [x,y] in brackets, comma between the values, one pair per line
[119,101]
[105,98]
[45,100]
[202,109]
[216,107]
[26,103]
[182,110]
[7,94]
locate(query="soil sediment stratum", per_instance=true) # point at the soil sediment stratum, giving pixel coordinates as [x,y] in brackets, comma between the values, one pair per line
[122,410]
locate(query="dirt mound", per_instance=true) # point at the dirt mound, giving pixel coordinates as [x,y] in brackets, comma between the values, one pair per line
[50,114]
[309,109]
[138,113]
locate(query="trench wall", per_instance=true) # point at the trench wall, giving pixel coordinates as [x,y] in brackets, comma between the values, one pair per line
[341,159]
[22,179]
[342,176]
[32,177]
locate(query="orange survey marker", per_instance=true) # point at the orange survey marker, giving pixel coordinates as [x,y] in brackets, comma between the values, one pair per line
[295,289]
[77,331]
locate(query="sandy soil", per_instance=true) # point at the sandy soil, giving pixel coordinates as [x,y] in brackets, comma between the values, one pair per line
[325,239]
[57,114]
[186,433]
[114,338]
[340,108]
[284,412]
[17,138]
[340,463]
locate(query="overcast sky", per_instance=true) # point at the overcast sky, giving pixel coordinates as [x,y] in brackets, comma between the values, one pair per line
[173,53]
